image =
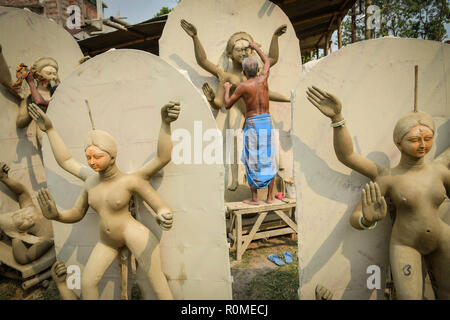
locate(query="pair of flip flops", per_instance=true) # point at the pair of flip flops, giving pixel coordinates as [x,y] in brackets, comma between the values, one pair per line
[276,259]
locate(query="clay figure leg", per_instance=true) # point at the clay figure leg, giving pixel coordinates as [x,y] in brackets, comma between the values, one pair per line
[236,122]
[100,259]
[438,263]
[406,265]
[24,255]
[145,247]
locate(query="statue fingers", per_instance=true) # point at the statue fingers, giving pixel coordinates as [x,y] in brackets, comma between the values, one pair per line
[364,198]
[317,105]
[368,194]
[313,96]
[317,92]
[373,193]
[383,206]
[377,192]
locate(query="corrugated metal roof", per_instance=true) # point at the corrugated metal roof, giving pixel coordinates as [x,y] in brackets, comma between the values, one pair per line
[314,21]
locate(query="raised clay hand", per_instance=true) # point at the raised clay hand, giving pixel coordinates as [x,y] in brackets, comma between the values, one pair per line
[208,92]
[327,103]
[43,121]
[59,272]
[170,112]
[4,169]
[323,293]
[47,204]
[374,206]
[165,220]
[190,29]
[281,30]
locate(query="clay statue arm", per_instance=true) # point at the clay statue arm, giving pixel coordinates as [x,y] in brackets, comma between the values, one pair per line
[331,107]
[200,54]
[59,275]
[278,97]
[16,187]
[163,215]
[444,160]
[37,97]
[273,50]
[265,71]
[5,75]
[60,151]
[229,101]
[169,113]
[23,117]
[371,209]
[49,210]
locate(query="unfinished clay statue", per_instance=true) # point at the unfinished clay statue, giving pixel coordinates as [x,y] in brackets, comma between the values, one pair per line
[237,50]
[26,225]
[42,79]
[415,188]
[108,192]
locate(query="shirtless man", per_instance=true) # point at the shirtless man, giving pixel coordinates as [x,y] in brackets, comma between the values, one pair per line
[259,158]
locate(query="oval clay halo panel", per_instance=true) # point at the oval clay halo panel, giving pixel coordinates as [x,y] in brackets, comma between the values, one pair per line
[374,80]
[126,90]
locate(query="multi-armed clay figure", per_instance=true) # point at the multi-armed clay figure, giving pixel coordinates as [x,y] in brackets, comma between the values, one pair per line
[237,50]
[416,189]
[26,225]
[108,191]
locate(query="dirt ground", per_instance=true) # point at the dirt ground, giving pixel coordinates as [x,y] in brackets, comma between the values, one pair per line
[255,277]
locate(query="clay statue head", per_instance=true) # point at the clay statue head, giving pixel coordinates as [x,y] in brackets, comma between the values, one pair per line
[48,69]
[100,149]
[15,224]
[237,46]
[414,133]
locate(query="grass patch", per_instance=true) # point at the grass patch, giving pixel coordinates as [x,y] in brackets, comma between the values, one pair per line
[278,284]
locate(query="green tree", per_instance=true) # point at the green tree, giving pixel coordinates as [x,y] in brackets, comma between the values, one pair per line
[423,19]
[163,11]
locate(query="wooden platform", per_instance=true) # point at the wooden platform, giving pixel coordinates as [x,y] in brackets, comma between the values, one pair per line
[236,211]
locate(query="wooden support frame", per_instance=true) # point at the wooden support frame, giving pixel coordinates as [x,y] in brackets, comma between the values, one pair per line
[235,232]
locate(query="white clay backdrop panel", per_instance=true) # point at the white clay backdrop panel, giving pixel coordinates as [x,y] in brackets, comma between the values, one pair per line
[216,21]
[375,82]
[126,90]
[26,37]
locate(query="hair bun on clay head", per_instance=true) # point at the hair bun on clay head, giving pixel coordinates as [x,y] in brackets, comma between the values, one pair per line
[102,140]
[44,62]
[236,37]
[411,120]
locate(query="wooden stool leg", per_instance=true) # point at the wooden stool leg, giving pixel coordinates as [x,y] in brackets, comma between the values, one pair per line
[238,237]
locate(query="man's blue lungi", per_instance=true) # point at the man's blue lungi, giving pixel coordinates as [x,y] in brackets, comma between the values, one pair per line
[259,151]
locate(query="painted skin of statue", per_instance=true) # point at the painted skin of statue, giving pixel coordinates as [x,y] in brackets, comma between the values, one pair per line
[237,50]
[108,191]
[26,225]
[416,188]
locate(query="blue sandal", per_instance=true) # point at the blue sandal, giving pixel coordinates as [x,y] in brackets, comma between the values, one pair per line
[287,256]
[275,259]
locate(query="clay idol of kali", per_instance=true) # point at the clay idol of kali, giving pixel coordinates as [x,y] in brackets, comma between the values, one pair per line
[42,79]
[237,50]
[108,191]
[31,234]
[416,189]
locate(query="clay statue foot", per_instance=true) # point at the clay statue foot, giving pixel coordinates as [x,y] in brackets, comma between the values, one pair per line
[269,201]
[233,186]
[251,201]
[323,293]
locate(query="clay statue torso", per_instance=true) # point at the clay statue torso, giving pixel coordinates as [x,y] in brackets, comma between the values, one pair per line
[417,195]
[110,199]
